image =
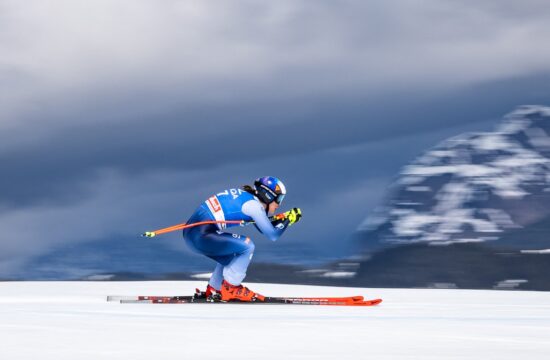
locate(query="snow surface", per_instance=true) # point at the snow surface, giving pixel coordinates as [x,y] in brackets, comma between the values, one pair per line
[72,320]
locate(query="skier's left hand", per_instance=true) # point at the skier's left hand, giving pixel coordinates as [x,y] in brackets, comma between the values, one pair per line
[293,216]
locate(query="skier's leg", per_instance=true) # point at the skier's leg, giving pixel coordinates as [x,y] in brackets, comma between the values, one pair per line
[221,247]
[235,272]
[217,277]
[232,251]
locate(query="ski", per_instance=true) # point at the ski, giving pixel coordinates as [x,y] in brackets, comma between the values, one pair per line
[195,298]
[199,298]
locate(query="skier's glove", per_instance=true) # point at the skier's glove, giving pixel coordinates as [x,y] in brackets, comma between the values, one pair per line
[293,216]
[279,223]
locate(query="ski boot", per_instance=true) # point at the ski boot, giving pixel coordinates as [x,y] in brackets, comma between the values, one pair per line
[231,292]
[210,295]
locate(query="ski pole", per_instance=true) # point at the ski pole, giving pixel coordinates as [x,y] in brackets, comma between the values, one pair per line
[185,225]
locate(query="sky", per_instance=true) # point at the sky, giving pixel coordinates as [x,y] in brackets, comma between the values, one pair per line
[118,117]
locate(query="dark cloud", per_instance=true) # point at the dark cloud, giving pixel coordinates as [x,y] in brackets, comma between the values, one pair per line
[63,166]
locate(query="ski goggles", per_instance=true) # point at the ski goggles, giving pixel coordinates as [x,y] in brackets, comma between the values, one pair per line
[271,196]
[268,195]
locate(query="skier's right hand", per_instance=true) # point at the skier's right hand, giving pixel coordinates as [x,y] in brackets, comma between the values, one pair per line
[293,216]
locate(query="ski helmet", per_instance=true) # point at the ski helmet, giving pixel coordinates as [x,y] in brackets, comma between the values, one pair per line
[269,189]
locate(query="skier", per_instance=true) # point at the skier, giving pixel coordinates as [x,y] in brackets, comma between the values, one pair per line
[233,252]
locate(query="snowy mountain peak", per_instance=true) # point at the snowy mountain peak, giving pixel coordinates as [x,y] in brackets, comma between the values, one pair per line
[524,117]
[472,187]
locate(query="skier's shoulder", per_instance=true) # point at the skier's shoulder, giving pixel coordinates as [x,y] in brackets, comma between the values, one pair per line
[252,206]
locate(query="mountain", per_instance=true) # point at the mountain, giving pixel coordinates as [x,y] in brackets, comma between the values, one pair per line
[474,187]
[489,191]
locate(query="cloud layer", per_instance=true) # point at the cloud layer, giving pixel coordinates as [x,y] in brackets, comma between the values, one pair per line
[103,103]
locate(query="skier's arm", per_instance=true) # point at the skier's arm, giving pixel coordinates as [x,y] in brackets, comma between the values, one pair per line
[289,218]
[256,211]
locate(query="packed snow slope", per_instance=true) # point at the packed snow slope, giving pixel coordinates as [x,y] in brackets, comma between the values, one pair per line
[72,320]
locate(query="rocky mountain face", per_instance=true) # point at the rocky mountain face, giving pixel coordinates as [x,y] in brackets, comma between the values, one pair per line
[477,193]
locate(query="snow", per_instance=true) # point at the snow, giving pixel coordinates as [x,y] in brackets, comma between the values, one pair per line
[204,276]
[430,228]
[492,142]
[72,320]
[544,251]
[339,274]
[419,188]
[464,170]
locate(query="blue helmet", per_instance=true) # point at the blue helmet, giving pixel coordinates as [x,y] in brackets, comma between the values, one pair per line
[269,189]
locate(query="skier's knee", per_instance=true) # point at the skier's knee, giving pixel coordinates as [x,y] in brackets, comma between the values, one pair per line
[249,245]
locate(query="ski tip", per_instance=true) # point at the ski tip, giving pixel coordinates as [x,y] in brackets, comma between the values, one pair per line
[368,302]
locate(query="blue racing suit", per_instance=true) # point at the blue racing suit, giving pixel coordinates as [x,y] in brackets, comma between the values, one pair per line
[232,252]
